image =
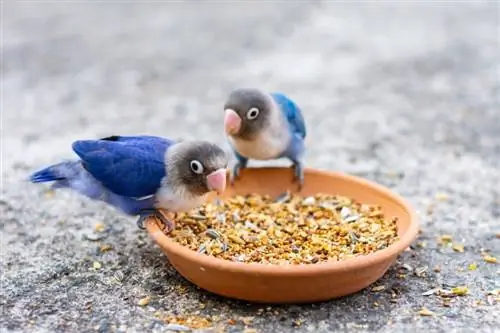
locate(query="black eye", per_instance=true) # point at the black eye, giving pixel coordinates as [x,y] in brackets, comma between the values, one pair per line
[196,166]
[252,113]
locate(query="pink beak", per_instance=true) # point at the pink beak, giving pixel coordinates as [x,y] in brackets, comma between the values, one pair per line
[216,181]
[232,122]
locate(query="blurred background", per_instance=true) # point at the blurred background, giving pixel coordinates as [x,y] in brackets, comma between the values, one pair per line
[402,92]
[364,74]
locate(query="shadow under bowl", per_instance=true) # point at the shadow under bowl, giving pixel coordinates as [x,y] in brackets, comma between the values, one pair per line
[295,283]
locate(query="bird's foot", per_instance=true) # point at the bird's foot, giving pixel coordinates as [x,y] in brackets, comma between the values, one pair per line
[168,225]
[235,172]
[298,174]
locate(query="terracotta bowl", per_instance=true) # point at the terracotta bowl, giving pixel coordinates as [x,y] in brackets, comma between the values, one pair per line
[295,283]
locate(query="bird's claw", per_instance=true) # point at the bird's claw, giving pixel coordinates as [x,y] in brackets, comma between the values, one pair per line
[235,173]
[299,175]
[168,225]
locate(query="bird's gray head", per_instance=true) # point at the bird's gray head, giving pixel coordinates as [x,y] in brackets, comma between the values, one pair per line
[199,166]
[247,112]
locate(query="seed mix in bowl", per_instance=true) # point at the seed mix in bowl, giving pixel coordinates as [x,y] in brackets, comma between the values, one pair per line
[286,230]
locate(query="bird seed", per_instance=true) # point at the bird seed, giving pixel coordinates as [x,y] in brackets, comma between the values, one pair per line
[287,230]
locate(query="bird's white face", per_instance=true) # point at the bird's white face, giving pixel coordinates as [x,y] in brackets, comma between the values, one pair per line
[254,124]
[193,170]
[199,166]
[247,112]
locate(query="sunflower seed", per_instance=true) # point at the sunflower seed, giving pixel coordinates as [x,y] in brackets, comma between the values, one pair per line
[353,237]
[224,247]
[284,197]
[202,248]
[345,212]
[212,233]
[198,217]
[352,218]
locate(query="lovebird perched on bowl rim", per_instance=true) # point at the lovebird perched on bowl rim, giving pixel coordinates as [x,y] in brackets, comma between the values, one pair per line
[264,126]
[141,174]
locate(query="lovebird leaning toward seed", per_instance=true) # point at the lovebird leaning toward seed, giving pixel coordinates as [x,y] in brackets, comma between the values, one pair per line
[264,126]
[141,174]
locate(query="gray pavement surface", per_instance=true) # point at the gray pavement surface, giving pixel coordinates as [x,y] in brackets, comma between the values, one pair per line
[402,93]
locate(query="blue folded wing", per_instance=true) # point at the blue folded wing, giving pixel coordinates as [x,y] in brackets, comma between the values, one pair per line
[292,112]
[142,140]
[131,166]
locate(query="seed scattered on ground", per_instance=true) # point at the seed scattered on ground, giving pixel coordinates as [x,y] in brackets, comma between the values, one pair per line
[105,248]
[49,194]
[490,259]
[445,239]
[407,267]
[181,289]
[441,196]
[458,248]
[96,265]
[422,245]
[144,301]
[426,312]
[460,291]
[250,330]
[420,271]
[378,288]
[472,267]
[99,227]
[286,230]
[446,293]
[247,320]
[446,303]
[190,321]
[94,236]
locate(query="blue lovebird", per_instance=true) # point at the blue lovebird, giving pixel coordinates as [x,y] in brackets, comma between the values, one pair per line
[141,174]
[264,126]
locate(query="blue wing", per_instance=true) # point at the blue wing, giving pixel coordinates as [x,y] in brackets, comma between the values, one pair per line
[131,166]
[292,113]
[140,139]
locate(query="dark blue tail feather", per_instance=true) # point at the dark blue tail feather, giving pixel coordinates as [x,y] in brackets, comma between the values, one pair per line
[71,174]
[45,175]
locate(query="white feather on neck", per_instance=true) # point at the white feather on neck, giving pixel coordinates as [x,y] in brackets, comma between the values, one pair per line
[178,198]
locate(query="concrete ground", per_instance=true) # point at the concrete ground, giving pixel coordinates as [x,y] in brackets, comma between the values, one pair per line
[402,93]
